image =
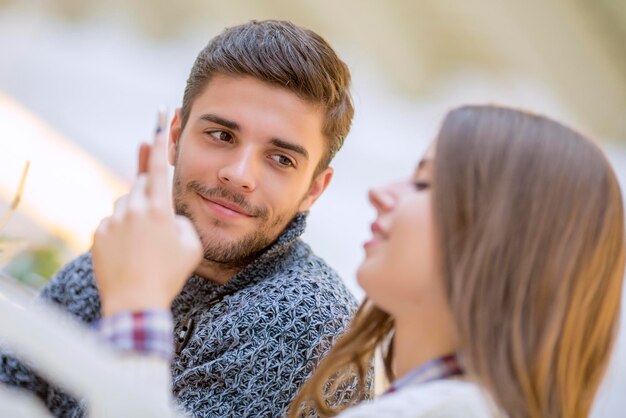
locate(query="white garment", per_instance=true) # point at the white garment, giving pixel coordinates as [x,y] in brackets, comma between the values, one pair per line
[447,398]
[67,353]
[136,385]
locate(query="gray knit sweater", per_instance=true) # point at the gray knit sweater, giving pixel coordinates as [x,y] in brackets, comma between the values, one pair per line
[245,347]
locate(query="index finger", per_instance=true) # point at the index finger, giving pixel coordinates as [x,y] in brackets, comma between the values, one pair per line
[157,164]
[143,158]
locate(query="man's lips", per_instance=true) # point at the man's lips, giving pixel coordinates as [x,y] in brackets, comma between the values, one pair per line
[225,207]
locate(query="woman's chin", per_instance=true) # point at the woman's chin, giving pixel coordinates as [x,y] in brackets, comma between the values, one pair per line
[365,276]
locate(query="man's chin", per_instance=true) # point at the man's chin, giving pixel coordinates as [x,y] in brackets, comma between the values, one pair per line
[227,262]
[215,246]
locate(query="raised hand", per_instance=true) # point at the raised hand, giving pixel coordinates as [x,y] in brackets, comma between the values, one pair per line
[143,253]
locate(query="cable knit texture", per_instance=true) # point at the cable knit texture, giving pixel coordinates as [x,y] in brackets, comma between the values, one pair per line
[253,341]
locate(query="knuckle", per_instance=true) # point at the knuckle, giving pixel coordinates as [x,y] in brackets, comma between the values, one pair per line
[133,212]
[157,211]
[102,226]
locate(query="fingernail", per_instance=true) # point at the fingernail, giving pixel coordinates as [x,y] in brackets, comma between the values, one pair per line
[161,119]
[159,122]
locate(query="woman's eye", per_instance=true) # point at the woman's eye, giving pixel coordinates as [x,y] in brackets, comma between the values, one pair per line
[421,185]
[221,136]
[282,160]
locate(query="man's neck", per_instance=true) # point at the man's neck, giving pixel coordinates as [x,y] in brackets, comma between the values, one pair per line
[222,273]
[216,272]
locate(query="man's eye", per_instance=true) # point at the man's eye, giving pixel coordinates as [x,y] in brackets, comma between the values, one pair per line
[282,160]
[221,136]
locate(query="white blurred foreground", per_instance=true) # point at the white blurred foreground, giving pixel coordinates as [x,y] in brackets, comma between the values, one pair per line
[70,355]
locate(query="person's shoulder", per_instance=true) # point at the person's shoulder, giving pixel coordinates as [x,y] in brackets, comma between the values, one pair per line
[454,398]
[310,281]
[448,398]
[302,290]
[74,289]
[309,267]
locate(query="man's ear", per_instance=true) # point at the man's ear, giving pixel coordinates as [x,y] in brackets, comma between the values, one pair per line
[320,183]
[175,131]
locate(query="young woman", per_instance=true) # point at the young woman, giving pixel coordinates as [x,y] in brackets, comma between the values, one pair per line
[493,278]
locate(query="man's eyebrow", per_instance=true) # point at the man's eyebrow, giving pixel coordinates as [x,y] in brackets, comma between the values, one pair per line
[210,117]
[290,146]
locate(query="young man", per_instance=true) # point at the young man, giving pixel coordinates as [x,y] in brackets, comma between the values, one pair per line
[265,109]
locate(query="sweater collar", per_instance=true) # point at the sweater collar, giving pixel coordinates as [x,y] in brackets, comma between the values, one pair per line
[266,262]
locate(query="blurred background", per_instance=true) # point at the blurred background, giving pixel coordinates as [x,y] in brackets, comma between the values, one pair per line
[81,80]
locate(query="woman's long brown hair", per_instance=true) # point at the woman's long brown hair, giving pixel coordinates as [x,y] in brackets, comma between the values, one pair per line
[530,221]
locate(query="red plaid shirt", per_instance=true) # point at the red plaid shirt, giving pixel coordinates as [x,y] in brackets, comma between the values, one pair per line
[146,332]
[440,368]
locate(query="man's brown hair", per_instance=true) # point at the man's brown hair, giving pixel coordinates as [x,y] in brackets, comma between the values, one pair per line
[282,54]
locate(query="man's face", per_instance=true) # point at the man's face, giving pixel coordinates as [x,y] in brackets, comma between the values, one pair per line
[244,165]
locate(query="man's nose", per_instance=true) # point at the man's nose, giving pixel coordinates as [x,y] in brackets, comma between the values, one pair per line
[240,171]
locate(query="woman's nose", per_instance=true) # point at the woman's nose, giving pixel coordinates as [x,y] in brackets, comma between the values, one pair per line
[381,199]
[385,198]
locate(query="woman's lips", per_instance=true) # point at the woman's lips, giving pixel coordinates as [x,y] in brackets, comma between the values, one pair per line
[379,235]
[371,243]
[378,230]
